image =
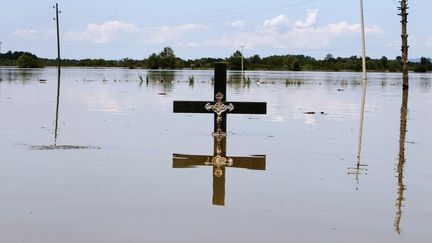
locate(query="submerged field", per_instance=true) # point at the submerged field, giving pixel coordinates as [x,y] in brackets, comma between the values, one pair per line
[106,173]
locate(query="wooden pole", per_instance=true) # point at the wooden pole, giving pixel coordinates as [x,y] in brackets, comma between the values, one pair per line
[403,13]
[364,77]
[58,38]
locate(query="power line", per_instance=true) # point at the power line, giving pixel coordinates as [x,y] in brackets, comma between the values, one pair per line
[243,8]
[215,16]
[219,15]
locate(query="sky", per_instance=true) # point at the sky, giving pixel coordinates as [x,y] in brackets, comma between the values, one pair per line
[116,29]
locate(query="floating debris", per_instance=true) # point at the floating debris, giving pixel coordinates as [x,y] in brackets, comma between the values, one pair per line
[191,80]
[290,82]
[62,147]
[313,113]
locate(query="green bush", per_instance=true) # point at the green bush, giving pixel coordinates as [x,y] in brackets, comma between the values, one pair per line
[27,61]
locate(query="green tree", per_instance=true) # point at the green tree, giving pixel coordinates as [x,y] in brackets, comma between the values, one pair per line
[423,66]
[234,61]
[153,62]
[296,66]
[394,65]
[329,58]
[384,63]
[127,62]
[28,61]
[167,58]
[255,59]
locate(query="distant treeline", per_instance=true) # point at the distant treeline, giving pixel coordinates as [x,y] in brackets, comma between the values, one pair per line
[166,59]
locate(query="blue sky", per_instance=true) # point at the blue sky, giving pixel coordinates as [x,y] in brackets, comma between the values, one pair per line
[115,29]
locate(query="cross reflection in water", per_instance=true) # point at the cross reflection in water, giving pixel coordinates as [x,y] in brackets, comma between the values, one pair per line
[219,161]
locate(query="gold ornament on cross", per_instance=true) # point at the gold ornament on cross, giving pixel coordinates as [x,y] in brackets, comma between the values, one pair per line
[219,107]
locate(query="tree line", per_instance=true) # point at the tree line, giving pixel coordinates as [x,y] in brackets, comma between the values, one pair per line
[166,59]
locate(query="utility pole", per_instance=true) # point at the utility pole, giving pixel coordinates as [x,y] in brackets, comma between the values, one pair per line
[242,46]
[58,37]
[0,46]
[403,13]
[364,77]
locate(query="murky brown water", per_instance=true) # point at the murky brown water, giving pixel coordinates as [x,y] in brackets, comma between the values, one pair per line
[110,175]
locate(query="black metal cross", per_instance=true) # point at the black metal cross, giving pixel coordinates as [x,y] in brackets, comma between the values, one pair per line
[220,78]
[219,161]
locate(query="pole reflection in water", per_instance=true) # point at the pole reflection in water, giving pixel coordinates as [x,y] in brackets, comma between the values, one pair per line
[219,161]
[56,128]
[359,167]
[358,170]
[57,108]
[401,163]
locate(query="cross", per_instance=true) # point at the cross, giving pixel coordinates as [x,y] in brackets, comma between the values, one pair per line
[219,109]
[219,162]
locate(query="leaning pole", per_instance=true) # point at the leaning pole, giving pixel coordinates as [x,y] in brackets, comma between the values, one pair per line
[364,77]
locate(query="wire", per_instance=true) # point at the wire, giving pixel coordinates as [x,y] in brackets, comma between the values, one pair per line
[216,15]
[234,12]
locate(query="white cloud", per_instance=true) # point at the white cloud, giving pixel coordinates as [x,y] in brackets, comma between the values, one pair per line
[102,33]
[163,34]
[31,34]
[24,33]
[111,30]
[192,44]
[311,19]
[237,24]
[279,23]
[280,32]
[318,37]
[190,27]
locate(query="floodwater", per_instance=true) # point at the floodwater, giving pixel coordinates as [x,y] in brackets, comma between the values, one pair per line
[106,169]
